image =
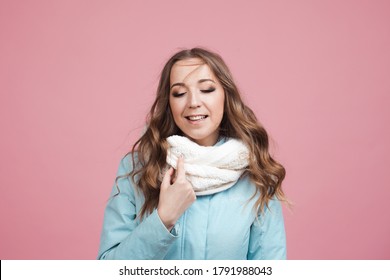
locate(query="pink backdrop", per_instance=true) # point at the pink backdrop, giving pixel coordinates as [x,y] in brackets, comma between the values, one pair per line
[78,77]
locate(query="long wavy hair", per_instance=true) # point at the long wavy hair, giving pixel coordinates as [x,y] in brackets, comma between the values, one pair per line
[238,122]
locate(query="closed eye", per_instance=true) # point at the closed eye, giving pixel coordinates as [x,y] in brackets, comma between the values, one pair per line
[178,94]
[208,90]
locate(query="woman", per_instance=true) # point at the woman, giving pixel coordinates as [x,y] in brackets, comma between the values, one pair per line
[200,182]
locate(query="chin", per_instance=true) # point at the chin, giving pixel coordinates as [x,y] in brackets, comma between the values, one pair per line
[200,140]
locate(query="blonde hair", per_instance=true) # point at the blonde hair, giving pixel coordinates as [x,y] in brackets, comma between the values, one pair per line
[238,122]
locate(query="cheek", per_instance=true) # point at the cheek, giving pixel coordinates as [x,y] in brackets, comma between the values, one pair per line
[175,108]
[219,105]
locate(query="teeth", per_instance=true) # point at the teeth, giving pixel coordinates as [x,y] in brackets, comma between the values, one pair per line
[196,118]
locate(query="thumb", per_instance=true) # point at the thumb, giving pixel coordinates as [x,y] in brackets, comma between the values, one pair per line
[166,182]
[180,167]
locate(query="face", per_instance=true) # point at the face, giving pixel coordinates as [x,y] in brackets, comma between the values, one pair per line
[197,100]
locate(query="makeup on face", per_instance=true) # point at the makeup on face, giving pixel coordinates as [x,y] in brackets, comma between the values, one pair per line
[196,101]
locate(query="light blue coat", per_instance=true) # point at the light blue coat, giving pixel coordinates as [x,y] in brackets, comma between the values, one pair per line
[217,226]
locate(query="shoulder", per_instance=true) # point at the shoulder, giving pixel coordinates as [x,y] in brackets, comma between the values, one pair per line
[246,190]
[124,183]
[127,162]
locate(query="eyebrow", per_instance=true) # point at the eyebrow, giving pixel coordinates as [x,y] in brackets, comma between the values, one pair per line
[199,82]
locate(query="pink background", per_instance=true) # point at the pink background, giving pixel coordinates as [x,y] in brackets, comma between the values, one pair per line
[78,77]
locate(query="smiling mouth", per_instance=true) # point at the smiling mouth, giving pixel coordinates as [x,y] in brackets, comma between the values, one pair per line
[196,118]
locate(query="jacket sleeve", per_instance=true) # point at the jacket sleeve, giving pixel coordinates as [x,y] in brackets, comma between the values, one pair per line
[267,235]
[123,235]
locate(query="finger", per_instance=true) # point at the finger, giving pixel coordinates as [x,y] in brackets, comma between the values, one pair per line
[173,177]
[166,182]
[180,168]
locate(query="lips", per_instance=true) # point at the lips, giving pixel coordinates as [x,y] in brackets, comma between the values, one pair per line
[196,117]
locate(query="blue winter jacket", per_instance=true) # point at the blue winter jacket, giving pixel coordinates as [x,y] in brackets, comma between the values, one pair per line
[218,226]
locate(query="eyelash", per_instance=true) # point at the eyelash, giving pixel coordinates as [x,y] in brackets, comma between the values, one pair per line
[176,94]
[208,90]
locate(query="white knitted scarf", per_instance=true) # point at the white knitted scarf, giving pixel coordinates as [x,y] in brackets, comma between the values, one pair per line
[209,169]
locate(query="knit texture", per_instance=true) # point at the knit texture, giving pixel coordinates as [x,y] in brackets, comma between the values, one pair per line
[209,169]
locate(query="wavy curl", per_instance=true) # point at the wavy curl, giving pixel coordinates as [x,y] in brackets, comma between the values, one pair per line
[238,122]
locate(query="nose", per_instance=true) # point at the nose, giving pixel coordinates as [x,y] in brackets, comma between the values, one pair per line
[194,100]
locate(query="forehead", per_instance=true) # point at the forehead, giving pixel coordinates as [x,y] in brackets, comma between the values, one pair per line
[192,69]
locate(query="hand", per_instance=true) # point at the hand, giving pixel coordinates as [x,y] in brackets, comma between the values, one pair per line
[174,198]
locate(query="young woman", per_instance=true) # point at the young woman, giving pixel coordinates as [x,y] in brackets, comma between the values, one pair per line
[200,182]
